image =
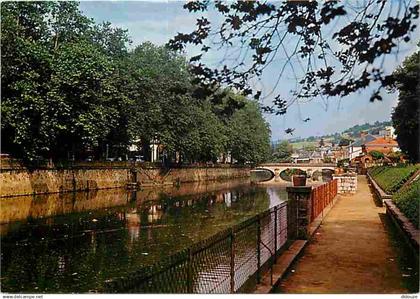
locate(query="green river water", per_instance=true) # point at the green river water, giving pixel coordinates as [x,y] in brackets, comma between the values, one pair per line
[74,242]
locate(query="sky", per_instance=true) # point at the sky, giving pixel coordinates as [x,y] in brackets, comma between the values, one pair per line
[158,21]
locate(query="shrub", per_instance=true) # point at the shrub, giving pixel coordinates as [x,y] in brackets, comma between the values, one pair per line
[376,155]
[288,173]
[390,179]
[407,199]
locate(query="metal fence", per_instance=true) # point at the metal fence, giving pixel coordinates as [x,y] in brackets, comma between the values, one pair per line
[322,196]
[228,262]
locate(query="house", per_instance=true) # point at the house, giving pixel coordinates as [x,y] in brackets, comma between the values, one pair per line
[388,131]
[341,151]
[301,156]
[311,157]
[384,145]
[316,157]
[355,148]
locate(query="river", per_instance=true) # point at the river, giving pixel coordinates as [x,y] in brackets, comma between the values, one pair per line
[74,242]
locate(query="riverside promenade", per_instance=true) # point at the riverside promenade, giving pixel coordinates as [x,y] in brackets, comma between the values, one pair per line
[350,253]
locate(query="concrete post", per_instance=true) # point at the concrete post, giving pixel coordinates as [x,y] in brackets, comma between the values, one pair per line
[299,212]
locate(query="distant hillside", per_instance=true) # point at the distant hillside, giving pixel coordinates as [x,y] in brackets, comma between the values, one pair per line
[372,129]
[352,133]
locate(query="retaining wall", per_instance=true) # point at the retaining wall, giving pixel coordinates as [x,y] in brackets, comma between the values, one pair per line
[410,233]
[379,193]
[42,181]
[24,182]
[153,176]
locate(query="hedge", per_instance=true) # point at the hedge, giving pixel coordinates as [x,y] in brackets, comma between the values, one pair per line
[390,179]
[407,199]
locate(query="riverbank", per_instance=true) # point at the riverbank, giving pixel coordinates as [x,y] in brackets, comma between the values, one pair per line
[18,182]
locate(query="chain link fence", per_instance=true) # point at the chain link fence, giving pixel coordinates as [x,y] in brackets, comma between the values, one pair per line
[228,262]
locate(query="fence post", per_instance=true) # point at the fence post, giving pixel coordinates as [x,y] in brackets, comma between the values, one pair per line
[258,249]
[275,234]
[291,217]
[232,262]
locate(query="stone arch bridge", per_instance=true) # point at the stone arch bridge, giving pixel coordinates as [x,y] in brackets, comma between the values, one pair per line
[277,168]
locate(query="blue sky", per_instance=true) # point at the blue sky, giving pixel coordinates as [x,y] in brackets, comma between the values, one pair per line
[158,21]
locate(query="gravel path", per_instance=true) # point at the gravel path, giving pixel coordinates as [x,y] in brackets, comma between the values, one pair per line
[350,253]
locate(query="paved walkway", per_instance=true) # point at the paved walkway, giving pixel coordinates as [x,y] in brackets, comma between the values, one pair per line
[350,253]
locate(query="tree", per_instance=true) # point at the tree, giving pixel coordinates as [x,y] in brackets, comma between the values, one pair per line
[333,49]
[157,85]
[405,117]
[376,155]
[58,84]
[249,135]
[83,89]
[283,152]
[203,138]
[395,157]
[71,86]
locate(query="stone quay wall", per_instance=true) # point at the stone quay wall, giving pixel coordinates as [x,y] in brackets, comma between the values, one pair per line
[157,176]
[43,181]
[347,183]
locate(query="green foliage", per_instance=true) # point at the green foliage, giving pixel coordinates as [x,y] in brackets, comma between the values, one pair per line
[327,160]
[341,138]
[249,135]
[282,152]
[289,172]
[405,117]
[376,155]
[394,156]
[407,199]
[343,162]
[357,129]
[390,179]
[57,81]
[70,86]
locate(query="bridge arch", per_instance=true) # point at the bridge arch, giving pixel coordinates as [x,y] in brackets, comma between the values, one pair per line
[287,173]
[271,171]
[277,168]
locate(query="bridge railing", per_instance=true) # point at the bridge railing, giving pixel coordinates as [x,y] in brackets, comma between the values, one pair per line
[297,165]
[322,196]
[228,262]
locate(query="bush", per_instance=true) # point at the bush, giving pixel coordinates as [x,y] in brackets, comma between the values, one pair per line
[390,179]
[407,199]
[288,173]
[376,155]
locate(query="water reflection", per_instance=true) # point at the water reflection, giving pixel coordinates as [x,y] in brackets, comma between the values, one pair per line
[74,242]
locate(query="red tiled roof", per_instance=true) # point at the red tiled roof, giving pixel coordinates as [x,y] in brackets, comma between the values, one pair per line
[382,142]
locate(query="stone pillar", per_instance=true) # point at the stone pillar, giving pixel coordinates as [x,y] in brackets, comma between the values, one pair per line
[299,207]
[347,183]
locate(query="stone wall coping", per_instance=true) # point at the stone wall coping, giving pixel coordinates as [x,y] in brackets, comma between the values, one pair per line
[343,175]
[378,190]
[411,232]
[299,164]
